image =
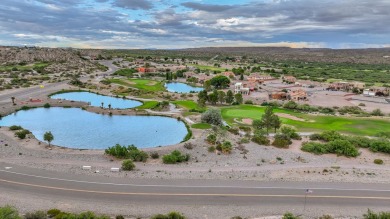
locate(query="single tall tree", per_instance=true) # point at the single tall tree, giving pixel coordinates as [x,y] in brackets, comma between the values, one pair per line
[229,97]
[267,118]
[221,96]
[238,98]
[48,136]
[13,100]
[275,122]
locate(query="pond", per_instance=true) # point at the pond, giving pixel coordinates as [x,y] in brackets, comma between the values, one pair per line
[181,88]
[77,128]
[97,100]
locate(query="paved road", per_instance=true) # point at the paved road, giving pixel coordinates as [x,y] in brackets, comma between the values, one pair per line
[191,192]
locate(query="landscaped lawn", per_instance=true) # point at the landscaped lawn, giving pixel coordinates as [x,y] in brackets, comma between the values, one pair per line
[201,126]
[188,104]
[142,84]
[148,105]
[348,125]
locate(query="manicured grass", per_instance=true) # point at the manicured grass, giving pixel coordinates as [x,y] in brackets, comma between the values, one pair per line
[211,68]
[142,84]
[148,105]
[188,104]
[201,126]
[312,123]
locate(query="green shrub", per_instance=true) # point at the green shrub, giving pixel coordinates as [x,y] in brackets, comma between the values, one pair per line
[290,132]
[175,157]
[378,161]
[382,145]
[343,147]
[137,155]
[290,216]
[36,215]
[383,134]
[129,152]
[330,136]
[315,148]
[226,147]
[15,127]
[315,137]
[22,134]
[53,212]
[372,215]
[8,212]
[119,217]
[128,165]
[211,138]
[260,139]
[46,105]
[171,215]
[358,141]
[281,141]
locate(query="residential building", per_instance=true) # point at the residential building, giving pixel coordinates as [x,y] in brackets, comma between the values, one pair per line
[289,79]
[298,95]
[240,88]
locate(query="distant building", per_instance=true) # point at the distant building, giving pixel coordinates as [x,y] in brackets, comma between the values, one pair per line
[279,95]
[298,95]
[289,79]
[259,78]
[376,91]
[239,88]
[228,74]
[146,70]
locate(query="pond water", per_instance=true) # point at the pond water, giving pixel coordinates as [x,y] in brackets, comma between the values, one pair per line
[181,88]
[97,100]
[77,128]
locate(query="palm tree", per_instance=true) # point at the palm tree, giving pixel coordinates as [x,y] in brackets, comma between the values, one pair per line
[109,106]
[102,105]
[13,100]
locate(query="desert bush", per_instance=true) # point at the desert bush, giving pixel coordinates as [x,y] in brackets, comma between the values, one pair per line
[226,147]
[8,212]
[372,215]
[290,132]
[290,216]
[212,116]
[315,148]
[358,141]
[175,157]
[330,136]
[325,217]
[22,133]
[381,145]
[383,134]
[171,215]
[15,127]
[129,152]
[281,141]
[46,105]
[119,217]
[250,102]
[53,212]
[343,147]
[211,149]
[154,155]
[211,138]
[260,139]
[234,131]
[377,112]
[36,215]
[378,161]
[128,165]
[189,146]
[315,137]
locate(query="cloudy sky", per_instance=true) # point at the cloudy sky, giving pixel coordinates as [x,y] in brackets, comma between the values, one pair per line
[170,24]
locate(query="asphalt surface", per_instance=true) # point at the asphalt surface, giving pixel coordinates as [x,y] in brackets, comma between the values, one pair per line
[191,192]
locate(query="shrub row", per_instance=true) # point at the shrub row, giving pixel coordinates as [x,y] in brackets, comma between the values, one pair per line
[375,145]
[129,152]
[175,157]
